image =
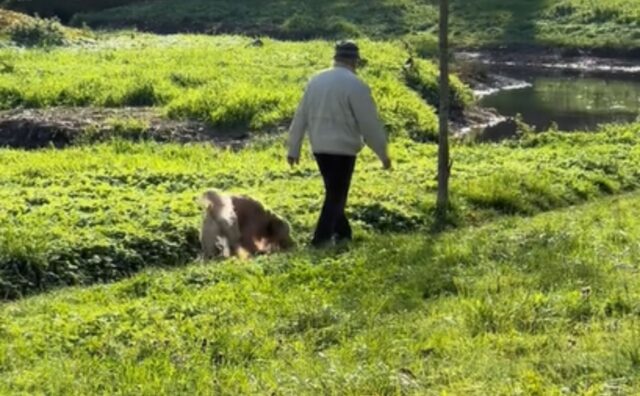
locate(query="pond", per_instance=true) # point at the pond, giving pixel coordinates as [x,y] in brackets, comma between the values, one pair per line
[572,101]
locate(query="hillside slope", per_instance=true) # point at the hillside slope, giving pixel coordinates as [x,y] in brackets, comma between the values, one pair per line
[63,9]
[570,23]
[225,81]
[539,306]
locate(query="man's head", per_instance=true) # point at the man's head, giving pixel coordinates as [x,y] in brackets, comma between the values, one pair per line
[348,54]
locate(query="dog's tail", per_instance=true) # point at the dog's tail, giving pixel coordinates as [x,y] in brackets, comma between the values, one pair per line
[212,202]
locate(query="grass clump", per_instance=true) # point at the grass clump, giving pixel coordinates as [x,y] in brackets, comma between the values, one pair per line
[129,128]
[116,129]
[18,29]
[422,76]
[38,32]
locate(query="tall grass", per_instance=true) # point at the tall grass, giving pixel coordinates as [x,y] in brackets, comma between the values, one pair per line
[224,81]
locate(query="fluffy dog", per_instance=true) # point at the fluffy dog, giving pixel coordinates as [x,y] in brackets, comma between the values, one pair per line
[220,234]
[236,225]
[262,231]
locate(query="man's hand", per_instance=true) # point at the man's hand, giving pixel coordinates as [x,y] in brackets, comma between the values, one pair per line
[293,161]
[386,164]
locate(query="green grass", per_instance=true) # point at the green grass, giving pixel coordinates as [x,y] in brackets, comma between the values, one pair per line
[526,293]
[223,80]
[606,25]
[611,24]
[538,306]
[98,213]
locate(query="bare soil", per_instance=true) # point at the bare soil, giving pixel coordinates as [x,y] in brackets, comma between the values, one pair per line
[62,127]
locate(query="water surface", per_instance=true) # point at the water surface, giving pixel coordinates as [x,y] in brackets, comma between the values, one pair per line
[573,102]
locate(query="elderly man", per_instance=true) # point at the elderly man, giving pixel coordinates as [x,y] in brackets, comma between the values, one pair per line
[340,116]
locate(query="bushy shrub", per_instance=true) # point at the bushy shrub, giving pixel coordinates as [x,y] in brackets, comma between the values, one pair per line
[130,128]
[38,32]
[9,98]
[422,76]
[424,45]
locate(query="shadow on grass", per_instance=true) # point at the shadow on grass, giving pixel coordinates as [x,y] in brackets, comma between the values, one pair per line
[509,21]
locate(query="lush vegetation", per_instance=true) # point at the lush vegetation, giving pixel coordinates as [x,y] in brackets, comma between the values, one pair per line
[64,9]
[23,30]
[225,81]
[533,289]
[98,213]
[539,306]
[611,24]
[9,18]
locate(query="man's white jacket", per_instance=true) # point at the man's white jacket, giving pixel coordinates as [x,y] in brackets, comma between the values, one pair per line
[339,115]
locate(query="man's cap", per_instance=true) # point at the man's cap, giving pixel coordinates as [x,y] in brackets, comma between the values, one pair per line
[347,50]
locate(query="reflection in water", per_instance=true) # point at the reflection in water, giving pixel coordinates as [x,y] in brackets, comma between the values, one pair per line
[574,103]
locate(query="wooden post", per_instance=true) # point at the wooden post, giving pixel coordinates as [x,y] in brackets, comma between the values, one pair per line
[443,149]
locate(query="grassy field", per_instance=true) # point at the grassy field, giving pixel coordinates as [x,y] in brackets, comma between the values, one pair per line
[532,290]
[537,306]
[222,80]
[98,213]
[611,24]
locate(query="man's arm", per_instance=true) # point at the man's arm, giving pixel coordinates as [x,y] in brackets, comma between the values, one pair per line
[366,115]
[298,129]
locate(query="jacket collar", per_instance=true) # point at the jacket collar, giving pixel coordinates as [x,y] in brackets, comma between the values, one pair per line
[340,65]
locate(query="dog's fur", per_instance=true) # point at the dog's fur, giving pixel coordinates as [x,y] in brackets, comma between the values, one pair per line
[220,233]
[261,230]
[236,225]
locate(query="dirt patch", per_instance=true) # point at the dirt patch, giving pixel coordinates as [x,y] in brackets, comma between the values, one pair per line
[62,127]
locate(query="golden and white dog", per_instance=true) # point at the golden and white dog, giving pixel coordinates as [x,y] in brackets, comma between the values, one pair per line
[236,225]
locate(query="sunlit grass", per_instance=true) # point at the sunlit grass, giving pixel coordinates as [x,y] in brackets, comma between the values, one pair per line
[224,81]
[546,305]
[91,214]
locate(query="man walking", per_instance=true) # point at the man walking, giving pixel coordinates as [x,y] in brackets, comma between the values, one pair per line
[340,116]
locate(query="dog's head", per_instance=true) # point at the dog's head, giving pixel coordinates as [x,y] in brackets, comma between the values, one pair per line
[212,201]
[279,234]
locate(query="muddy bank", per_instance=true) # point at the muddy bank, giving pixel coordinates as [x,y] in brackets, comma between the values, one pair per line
[62,127]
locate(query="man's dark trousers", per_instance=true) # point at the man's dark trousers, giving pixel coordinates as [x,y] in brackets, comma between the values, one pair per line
[336,171]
